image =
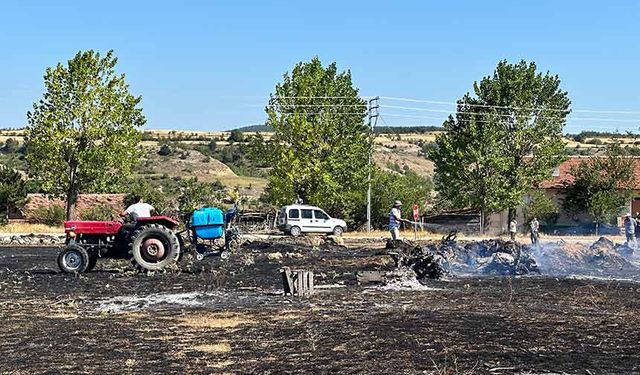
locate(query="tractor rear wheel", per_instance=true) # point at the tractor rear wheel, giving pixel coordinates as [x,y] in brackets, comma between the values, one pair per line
[73,259]
[153,247]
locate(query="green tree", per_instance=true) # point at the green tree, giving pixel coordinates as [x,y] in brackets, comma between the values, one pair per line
[387,187]
[540,206]
[602,185]
[165,150]
[82,135]
[320,147]
[236,136]
[502,141]
[13,190]
[10,146]
[195,194]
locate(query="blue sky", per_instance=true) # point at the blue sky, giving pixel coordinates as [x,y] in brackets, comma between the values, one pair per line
[210,65]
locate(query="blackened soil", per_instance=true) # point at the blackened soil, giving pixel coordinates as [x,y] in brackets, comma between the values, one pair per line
[55,323]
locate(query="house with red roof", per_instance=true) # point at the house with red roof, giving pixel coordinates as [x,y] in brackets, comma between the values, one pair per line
[554,188]
[562,177]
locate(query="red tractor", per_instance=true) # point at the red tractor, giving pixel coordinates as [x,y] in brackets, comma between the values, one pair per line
[151,243]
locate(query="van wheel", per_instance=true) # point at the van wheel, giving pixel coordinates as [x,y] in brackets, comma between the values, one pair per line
[295,231]
[337,231]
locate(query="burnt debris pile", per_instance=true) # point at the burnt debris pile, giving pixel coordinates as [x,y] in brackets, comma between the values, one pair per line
[448,256]
[495,257]
[603,256]
[427,262]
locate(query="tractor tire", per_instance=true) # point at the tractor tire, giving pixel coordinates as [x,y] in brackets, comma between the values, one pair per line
[73,259]
[153,247]
[295,231]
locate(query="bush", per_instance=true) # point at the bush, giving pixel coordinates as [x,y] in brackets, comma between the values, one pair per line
[99,212]
[53,215]
[594,141]
[165,150]
[236,136]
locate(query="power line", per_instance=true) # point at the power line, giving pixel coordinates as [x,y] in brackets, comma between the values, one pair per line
[509,107]
[510,116]
[364,106]
[420,109]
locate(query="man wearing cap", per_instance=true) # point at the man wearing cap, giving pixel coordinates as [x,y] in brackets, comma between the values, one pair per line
[395,218]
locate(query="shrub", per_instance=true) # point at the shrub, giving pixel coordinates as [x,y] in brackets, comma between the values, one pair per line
[53,215]
[99,212]
[594,141]
[236,136]
[165,150]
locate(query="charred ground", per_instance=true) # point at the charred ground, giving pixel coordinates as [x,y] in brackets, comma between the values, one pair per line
[214,317]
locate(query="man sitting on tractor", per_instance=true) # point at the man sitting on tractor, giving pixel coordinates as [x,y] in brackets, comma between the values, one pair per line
[138,209]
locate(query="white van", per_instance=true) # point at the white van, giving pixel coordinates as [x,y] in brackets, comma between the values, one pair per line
[297,218]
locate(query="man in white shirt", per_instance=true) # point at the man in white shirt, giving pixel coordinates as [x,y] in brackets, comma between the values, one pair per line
[395,218]
[138,209]
[513,228]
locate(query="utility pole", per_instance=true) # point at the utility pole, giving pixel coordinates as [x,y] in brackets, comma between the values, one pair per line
[373,120]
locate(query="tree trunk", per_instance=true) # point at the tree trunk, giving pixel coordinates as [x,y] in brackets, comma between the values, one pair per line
[72,198]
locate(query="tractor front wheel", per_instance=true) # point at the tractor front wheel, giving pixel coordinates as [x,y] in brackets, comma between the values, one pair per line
[154,247]
[73,259]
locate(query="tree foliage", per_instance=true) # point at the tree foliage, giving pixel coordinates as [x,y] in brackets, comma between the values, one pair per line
[236,136]
[540,206]
[321,143]
[13,190]
[195,194]
[503,140]
[602,185]
[387,187]
[82,135]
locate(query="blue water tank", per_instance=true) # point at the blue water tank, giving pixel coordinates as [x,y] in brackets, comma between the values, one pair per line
[208,223]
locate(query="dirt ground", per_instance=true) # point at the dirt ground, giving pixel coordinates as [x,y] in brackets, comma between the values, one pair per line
[211,317]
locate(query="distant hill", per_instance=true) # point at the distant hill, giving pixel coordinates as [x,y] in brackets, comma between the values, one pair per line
[255,128]
[379,129]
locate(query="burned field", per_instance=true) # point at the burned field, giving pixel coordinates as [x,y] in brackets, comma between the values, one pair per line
[214,317]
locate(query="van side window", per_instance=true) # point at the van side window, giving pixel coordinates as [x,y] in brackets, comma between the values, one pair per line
[307,214]
[320,215]
[294,214]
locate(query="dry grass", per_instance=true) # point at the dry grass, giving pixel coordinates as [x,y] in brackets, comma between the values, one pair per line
[286,315]
[213,348]
[222,320]
[257,183]
[30,228]
[220,364]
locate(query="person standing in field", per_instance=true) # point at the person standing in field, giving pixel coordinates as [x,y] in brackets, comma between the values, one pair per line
[513,228]
[395,218]
[630,230]
[535,226]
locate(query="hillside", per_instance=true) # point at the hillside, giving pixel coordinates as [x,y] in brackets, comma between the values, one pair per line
[210,156]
